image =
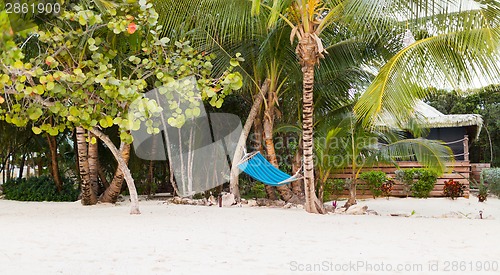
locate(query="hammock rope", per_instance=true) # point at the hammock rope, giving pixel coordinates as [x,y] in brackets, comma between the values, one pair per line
[256,165]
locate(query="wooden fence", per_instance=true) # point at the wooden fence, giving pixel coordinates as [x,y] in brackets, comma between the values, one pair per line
[459,171]
[476,169]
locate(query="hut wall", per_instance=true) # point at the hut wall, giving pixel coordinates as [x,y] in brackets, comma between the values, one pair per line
[450,135]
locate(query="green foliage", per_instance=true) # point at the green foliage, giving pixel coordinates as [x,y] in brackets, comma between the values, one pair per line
[418,181]
[374,180]
[40,189]
[333,189]
[199,196]
[83,77]
[251,189]
[483,101]
[258,190]
[483,192]
[491,177]
[453,189]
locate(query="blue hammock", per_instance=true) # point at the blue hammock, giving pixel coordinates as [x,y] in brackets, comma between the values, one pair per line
[257,166]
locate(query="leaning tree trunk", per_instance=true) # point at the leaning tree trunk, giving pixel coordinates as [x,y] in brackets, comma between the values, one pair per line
[238,154]
[122,165]
[111,193]
[309,55]
[88,195]
[284,190]
[54,165]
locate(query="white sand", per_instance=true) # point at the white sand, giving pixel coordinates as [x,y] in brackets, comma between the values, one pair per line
[67,238]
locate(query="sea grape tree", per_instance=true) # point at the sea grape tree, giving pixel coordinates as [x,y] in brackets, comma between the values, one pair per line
[83,69]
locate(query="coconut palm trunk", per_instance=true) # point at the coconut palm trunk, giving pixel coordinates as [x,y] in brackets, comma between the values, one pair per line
[258,130]
[308,53]
[88,195]
[298,186]
[284,191]
[111,193]
[93,154]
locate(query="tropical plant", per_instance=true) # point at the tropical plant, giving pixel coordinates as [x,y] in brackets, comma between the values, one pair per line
[458,48]
[40,189]
[374,180]
[418,181]
[387,186]
[483,192]
[491,177]
[453,189]
[333,189]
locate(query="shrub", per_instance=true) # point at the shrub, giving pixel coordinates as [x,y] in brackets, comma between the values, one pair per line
[258,190]
[453,189]
[333,188]
[374,180]
[491,177]
[387,187]
[483,192]
[418,181]
[40,189]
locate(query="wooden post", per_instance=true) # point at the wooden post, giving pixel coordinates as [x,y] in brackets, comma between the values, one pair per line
[466,148]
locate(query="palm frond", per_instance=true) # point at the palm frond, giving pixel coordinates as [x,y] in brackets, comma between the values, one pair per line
[430,153]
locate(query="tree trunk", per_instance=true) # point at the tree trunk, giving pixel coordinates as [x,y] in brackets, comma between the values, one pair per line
[21,167]
[111,193]
[122,165]
[258,134]
[238,154]
[149,186]
[75,148]
[352,192]
[54,164]
[308,55]
[93,154]
[39,166]
[170,166]
[297,186]
[285,192]
[102,177]
[88,195]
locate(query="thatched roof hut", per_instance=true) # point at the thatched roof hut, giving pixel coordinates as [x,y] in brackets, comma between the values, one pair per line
[448,128]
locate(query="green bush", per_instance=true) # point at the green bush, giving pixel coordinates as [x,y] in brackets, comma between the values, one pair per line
[418,181]
[258,190]
[374,180]
[333,188]
[40,189]
[491,177]
[483,192]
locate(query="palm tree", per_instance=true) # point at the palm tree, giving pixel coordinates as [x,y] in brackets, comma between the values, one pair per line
[457,49]
[464,42]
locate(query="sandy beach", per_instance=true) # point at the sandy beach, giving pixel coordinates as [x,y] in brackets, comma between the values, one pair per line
[440,236]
